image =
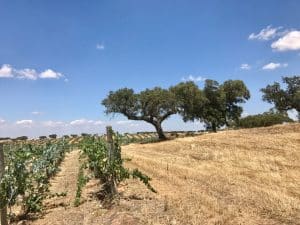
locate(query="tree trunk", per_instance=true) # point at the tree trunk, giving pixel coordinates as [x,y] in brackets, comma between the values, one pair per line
[214,127]
[159,131]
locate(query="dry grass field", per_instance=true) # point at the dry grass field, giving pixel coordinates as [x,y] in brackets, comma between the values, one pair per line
[233,177]
[249,176]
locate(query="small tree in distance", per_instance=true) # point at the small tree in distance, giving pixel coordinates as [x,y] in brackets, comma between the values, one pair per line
[53,136]
[152,105]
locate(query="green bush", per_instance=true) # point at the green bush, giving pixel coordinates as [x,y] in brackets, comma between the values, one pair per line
[263,120]
[53,136]
[21,138]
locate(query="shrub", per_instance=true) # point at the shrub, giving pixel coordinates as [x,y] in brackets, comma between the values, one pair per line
[54,136]
[42,137]
[22,138]
[263,120]
[4,138]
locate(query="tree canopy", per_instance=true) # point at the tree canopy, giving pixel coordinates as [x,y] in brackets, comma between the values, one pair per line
[216,104]
[190,100]
[284,99]
[235,92]
[151,105]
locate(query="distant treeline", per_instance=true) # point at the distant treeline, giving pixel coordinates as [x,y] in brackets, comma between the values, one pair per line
[263,120]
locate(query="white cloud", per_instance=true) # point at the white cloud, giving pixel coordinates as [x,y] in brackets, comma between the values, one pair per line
[24,122]
[6,71]
[36,113]
[98,122]
[122,122]
[29,74]
[51,123]
[244,114]
[273,66]
[50,74]
[2,121]
[100,46]
[85,122]
[81,122]
[245,66]
[193,78]
[290,41]
[265,34]
[134,125]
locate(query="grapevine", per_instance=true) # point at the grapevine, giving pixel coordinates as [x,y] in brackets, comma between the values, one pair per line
[28,170]
[95,149]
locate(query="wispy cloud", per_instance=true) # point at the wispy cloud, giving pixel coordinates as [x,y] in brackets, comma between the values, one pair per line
[193,78]
[80,122]
[51,123]
[122,122]
[7,71]
[265,34]
[36,113]
[29,74]
[24,122]
[245,66]
[289,42]
[100,46]
[84,122]
[273,66]
[2,121]
[98,122]
[244,114]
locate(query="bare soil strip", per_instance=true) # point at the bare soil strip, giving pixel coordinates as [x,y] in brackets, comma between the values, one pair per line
[58,210]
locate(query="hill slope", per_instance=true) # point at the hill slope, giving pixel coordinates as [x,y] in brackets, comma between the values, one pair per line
[249,176]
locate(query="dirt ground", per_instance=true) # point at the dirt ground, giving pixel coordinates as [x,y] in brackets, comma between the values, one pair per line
[249,176]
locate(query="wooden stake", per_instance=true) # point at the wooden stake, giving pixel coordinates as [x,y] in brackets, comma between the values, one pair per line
[2,168]
[111,158]
[109,138]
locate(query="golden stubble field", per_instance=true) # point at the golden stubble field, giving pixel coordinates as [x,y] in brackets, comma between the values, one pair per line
[249,176]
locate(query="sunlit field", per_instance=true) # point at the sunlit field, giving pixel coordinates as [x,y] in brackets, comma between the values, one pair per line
[246,176]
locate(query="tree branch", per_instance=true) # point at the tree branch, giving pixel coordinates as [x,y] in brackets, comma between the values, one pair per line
[166,116]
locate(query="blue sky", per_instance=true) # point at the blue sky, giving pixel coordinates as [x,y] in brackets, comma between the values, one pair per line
[59,59]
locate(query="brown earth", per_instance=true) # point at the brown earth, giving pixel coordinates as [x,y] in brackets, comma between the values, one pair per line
[249,176]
